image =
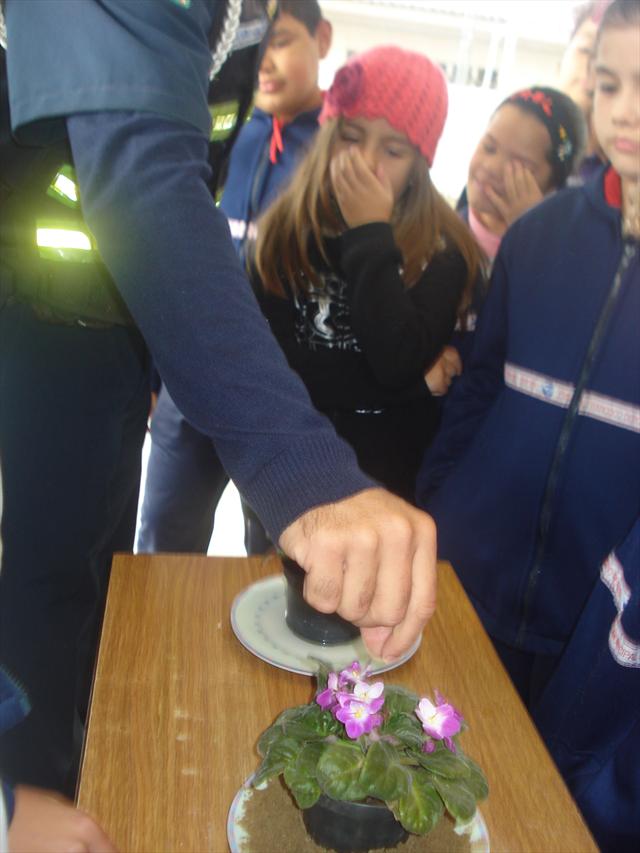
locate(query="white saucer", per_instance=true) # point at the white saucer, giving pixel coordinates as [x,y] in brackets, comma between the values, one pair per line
[237,837]
[257,619]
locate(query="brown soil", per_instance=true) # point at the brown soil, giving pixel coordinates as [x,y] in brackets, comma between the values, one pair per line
[274,824]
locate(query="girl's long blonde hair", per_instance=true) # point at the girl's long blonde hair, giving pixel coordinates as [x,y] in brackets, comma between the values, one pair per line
[423,224]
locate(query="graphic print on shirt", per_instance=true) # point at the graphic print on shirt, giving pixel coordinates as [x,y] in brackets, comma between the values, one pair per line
[323,316]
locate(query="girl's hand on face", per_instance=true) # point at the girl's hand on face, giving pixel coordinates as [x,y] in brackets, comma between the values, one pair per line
[521,192]
[363,196]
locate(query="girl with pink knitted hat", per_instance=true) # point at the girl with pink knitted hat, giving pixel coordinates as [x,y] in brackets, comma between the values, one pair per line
[361,266]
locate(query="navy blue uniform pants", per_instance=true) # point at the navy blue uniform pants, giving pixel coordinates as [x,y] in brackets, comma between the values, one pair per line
[185,481]
[73,410]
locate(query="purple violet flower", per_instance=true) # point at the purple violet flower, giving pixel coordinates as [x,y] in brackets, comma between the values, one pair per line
[353,674]
[440,722]
[358,717]
[370,693]
[327,698]
[358,710]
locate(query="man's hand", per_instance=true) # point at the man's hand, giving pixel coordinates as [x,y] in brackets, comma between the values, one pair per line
[371,558]
[362,196]
[440,375]
[44,822]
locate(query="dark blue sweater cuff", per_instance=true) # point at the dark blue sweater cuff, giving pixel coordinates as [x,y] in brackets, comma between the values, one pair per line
[9,800]
[311,473]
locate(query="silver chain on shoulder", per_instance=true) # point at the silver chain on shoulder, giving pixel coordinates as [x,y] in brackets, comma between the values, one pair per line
[223,47]
[3,30]
[226,37]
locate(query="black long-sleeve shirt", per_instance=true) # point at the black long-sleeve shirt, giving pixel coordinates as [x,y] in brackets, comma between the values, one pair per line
[363,340]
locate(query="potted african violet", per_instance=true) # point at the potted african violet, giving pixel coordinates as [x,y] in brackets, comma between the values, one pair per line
[370,763]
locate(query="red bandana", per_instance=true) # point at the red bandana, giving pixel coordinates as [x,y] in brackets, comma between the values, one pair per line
[277,146]
[612,188]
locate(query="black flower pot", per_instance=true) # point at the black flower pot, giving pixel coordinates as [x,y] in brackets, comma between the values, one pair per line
[350,827]
[327,629]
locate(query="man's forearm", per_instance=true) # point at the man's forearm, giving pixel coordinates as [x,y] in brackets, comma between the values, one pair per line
[144,194]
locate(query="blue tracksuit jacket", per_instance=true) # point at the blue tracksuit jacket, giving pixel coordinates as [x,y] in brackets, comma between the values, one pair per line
[533,483]
[253,180]
[589,714]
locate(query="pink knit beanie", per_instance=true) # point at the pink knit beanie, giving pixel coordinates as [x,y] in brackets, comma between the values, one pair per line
[401,86]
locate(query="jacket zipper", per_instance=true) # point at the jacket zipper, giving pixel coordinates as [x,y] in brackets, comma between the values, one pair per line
[544,519]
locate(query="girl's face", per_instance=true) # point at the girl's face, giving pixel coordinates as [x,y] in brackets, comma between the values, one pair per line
[575,66]
[513,135]
[616,105]
[381,147]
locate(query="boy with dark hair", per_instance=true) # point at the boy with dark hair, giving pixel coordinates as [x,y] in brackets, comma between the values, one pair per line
[285,118]
[185,478]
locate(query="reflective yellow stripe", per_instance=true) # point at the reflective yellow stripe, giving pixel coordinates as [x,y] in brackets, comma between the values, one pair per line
[223,119]
[62,238]
[56,243]
[63,187]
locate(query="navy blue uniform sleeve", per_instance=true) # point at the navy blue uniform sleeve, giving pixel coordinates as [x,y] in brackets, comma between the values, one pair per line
[474,391]
[129,80]
[589,713]
[168,248]
[66,57]
[9,799]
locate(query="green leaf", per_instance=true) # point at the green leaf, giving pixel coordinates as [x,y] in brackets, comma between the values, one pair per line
[267,738]
[420,809]
[282,751]
[322,673]
[339,771]
[445,763]
[406,729]
[382,774]
[458,799]
[398,700]
[276,729]
[300,776]
[311,723]
[477,782]
[304,722]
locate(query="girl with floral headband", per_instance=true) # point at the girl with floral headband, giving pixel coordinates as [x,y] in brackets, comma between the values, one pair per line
[362,266]
[529,149]
[533,479]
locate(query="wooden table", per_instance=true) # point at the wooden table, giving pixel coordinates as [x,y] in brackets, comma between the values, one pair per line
[178,704]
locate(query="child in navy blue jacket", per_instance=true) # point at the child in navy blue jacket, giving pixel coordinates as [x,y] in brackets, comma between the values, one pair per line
[185,477]
[533,480]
